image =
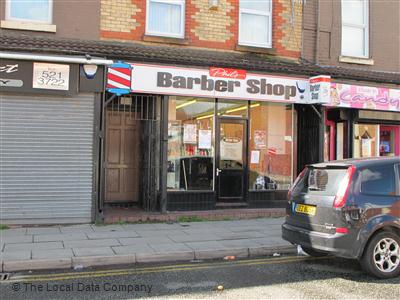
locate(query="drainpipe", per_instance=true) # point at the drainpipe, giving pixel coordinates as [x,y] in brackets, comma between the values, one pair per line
[318,33]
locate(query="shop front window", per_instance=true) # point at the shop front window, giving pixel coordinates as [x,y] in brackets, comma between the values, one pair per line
[270,146]
[365,140]
[190,143]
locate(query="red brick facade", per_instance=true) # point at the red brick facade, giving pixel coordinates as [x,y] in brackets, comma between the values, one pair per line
[204,27]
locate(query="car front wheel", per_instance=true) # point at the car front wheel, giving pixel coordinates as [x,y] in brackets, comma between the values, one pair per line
[382,256]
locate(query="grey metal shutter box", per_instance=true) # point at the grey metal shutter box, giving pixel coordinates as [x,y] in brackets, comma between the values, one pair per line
[46,159]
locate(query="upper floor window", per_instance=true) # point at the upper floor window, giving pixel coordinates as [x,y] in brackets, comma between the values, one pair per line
[166,18]
[40,11]
[255,23]
[355,23]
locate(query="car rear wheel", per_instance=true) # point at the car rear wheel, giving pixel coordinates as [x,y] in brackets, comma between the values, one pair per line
[382,256]
[313,252]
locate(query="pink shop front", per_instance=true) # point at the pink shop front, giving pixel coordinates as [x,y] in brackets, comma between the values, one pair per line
[362,121]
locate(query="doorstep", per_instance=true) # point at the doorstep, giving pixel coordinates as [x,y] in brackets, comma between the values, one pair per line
[128,215]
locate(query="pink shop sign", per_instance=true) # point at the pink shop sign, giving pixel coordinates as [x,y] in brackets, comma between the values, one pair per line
[365,97]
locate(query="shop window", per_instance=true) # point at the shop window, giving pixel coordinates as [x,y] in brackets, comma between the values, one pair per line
[270,146]
[366,140]
[355,25]
[255,23]
[190,144]
[166,18]
[40,11]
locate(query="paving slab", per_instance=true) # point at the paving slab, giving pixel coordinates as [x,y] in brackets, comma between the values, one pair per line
[17,239]
[98,251]
[91,261]
[171,247]
[15,255]
[206,245]
[270,241]
[31,246]
[54,253]
[59,237]
[112,234]
[13,232]
[132,249]
[148,240]
[139,226]
[241,243]
[166,226]
[37,264]
[152,233]
[85,228]
[43,230]
[91,243]
[239,235]
[163,257]
[107,228]
[193,237]
[205,231]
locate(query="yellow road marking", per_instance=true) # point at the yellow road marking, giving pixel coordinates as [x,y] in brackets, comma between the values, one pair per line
[171,268]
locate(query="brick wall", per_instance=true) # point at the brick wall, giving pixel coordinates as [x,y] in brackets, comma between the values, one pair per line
[204,27]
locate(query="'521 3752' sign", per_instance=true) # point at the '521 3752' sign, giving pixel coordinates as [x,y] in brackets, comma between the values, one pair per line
[50,76]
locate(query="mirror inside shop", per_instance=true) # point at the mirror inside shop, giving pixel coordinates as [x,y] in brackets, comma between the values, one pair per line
[263,147]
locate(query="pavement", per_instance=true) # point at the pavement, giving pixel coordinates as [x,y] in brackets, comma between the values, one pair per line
[81,246]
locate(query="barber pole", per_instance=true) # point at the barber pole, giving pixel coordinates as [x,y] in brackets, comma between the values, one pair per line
[119,77]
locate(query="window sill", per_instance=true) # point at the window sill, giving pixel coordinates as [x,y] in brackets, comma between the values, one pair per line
[31,26]
[165,40]
[356,60]
[254,49]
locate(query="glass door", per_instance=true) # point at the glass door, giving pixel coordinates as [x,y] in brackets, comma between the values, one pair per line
[231,160]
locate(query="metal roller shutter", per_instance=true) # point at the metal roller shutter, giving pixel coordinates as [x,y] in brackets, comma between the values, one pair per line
[46,159]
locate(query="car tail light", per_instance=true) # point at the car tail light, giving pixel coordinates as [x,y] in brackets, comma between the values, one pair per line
[301,175]
[342,230]
[341,195]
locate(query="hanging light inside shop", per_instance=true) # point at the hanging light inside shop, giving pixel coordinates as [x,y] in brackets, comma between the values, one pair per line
[241,108]
[185,104]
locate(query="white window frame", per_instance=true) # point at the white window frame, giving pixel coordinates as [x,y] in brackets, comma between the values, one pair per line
[163,34]
[365,27]
[258,13]
[8,14]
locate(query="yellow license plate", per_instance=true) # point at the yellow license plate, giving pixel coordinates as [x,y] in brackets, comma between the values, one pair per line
[306,209]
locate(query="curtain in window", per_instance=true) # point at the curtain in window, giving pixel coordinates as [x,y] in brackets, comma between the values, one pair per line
[165,18]
[255,23]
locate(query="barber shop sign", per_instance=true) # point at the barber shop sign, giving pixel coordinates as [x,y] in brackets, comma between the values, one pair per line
[217,83]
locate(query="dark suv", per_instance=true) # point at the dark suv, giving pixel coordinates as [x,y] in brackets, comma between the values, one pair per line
[351,209]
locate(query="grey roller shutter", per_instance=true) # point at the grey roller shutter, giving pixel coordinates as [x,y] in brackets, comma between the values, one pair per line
[46,159]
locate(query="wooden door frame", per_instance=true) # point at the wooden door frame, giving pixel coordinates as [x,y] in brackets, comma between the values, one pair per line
[233,120]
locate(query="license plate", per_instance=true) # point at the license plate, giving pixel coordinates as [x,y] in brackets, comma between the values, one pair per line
[306,209]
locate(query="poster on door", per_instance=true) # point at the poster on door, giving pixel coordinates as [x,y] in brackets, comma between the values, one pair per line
[231,149]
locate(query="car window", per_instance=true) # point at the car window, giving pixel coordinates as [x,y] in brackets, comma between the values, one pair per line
[320,181]
[378,180]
